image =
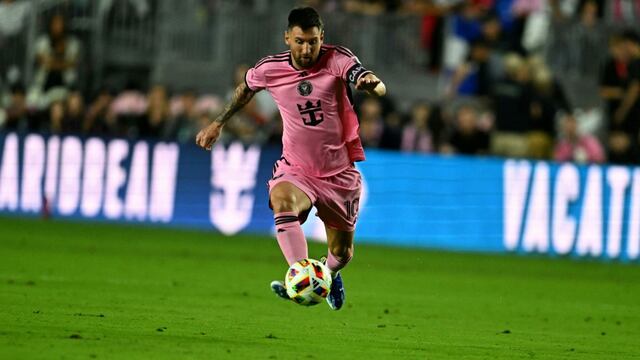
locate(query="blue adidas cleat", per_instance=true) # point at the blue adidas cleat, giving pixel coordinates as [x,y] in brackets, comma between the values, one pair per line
[336,296]
[278,288]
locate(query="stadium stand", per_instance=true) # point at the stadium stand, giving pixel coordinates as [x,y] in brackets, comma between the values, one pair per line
[507,78]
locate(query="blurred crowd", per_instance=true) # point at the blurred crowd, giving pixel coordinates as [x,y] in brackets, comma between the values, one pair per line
[500,95]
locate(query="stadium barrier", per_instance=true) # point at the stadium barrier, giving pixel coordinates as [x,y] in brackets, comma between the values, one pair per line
[445,202]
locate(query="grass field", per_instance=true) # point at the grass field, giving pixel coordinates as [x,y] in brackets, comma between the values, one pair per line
[87,291]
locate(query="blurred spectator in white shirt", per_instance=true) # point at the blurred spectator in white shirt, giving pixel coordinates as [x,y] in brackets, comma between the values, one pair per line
[57,60]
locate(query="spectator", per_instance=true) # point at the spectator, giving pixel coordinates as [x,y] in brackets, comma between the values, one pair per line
[391,138]
[57,58]
[614,76]
[629,109]
[575,147]
[491,33]
[474,77]
[74,107]
[417,135]
[17,115]
[157,113]
[613,84]
[511,96]
[432,28]
[467,23]
[542,111]
[183,117]
[208,104]
[587,41]
[189,114]
[386,103]
[371,122]
[535,32]
[563,10]
[56,118]
[95,121]
[127,112]
[576,38]
[536,65]
[512,23]
[467,137]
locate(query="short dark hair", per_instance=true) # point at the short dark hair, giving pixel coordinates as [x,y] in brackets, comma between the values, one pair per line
[631,35]
[305,17]
[18,88]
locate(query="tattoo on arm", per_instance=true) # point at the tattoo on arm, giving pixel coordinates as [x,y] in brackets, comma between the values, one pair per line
[241,96]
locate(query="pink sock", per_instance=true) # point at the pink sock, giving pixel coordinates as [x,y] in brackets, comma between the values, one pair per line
[335,263]
[290,237]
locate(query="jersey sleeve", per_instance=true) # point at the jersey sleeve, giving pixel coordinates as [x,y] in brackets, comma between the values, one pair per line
[346,65]
[255,79]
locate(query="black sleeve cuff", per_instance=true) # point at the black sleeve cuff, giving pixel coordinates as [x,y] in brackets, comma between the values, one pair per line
[355,72]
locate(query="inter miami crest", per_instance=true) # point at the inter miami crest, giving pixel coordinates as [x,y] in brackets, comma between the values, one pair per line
[305,88]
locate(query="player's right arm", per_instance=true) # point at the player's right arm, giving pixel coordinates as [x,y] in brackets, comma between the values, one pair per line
[208,136]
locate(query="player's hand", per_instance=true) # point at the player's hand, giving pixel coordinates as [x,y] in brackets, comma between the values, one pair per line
[367,82]
[208,136]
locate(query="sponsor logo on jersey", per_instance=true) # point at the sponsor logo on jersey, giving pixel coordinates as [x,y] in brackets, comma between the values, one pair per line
[311,113]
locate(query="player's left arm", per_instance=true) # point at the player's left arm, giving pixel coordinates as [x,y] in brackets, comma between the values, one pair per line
[347,65]
[370,83]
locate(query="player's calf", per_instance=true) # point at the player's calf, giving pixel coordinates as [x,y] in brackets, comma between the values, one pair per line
[338,257]
[290,237]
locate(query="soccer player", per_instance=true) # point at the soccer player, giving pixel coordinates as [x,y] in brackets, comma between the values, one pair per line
[310,84]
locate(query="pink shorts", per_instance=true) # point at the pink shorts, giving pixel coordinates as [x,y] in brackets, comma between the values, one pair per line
[335,197]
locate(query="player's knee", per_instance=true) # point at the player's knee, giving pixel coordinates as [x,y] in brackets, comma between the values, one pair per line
[342,253]
[284,202]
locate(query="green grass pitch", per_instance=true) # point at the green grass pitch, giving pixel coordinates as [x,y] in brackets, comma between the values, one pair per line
[97,291]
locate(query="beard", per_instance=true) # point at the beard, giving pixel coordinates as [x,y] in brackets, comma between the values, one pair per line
[306,61]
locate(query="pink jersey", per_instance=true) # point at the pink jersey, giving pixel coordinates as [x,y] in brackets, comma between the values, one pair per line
[320,126]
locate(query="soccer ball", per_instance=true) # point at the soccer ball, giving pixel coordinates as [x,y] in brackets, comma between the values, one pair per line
[308,282]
